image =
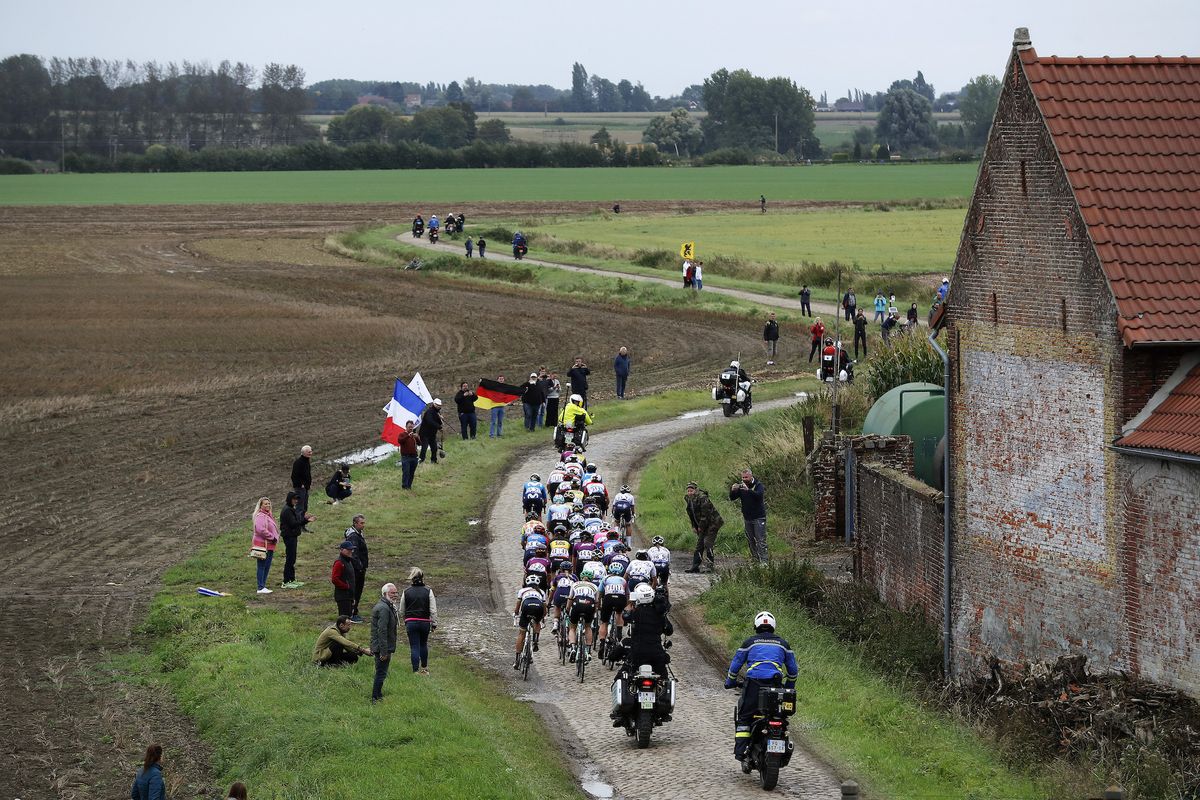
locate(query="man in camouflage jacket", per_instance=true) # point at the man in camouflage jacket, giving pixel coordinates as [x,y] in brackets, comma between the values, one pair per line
[706,522]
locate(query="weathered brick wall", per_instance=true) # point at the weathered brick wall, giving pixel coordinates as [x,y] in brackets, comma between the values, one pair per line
[1159,561]
[827,468]
[1034,404]
[899,538]
[1143,372]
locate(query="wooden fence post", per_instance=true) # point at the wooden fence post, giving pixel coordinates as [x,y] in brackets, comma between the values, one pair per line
[849,790]
[808,424]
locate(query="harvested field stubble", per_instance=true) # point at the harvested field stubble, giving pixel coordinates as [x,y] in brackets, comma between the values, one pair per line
[159,372]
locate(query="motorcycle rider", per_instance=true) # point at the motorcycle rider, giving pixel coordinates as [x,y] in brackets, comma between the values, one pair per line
[533,495]
[660,557]
[418,227]
[433,222]
[737,365]
[518,245]
[768,660]
[530,608]
[829,358]
[648,616]
[575,414]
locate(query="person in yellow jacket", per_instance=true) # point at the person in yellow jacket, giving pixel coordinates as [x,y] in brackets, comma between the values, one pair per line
[576,416]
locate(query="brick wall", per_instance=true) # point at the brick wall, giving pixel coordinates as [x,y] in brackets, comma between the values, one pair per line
[827,468]
[1143,373]
[899,538]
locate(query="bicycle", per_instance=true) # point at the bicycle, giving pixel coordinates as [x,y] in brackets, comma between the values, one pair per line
[625,527]
[611,641]
[581,651]
[564,642]
[527,651]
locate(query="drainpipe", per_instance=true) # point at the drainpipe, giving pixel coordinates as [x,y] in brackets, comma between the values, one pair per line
[946,544]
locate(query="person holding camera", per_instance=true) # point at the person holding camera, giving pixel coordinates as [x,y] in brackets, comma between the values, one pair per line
[752,494]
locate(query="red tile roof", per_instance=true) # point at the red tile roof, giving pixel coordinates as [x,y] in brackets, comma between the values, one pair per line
[1175,423]
[1128,133]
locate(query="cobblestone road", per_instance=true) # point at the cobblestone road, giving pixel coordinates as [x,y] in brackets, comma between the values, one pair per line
[690,757]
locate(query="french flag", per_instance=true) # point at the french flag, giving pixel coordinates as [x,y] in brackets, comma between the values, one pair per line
[407,403]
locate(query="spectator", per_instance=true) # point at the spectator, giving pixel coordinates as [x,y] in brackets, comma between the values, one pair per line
[849,303]
[262,547]
[345,585]
[531,401]
[333,649]
[481,243]
[762,203]
[552,395]
[291,525]
[383,637]
[470,246]
[496,429]
[430,430]
[354,535]
[912,317]
[338,488]
[771,338]
[698,275]
[578,376]
[880,307]
[544,383]
[860,333]
[687,273]
[418,609]
[943,290]
[818,333]
[148,783]
[621,370]
[806,301]
[888,325]
[464,401]
[752,495]
[237,791]
[302,476]
[706,523]
[409,441]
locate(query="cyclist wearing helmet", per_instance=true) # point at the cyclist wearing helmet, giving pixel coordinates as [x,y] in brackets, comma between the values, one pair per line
[648,616]
[560,553]
[533,531]
[615,592]
[537,569]
[589,469]
[533,495]
[581,608]
[561,585]
[530,608]
[539,557]
[559,509]
[769,661]
[584,551]
[660,556]
[595,572]
[641,570]
[574,414]
[624,506]
[596,492]
[555,478]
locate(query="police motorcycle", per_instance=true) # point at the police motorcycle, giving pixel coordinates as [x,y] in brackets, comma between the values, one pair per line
[733,390]
[641,698]
[836,365]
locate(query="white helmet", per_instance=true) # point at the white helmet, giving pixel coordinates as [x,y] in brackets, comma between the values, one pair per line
[533,580]
[577,399]
[642,594]
[764,618]
[945,280]
[735,364]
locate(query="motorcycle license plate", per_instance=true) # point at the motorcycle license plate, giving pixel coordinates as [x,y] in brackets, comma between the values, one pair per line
[646,699]
[776,745]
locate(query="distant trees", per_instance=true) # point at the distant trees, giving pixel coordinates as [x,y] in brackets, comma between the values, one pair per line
[676,132]
[977,106]
[745,110]
[581,92]
[493,131]
[905,122]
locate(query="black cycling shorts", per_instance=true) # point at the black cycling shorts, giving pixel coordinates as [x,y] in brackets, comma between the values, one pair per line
[533,504]
[613,604]
[663,574]
[582,613]
[531,612]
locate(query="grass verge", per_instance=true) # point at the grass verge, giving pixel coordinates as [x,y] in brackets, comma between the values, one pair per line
[239,666]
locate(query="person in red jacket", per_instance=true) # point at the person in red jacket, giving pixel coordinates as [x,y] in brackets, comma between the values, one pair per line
[818,332]
[344,579]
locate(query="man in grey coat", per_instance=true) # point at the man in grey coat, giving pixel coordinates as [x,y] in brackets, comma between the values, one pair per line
[383,637]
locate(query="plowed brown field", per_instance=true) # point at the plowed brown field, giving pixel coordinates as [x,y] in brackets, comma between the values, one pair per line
[159,369]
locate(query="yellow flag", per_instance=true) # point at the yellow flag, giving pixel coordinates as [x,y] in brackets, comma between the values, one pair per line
[687,250]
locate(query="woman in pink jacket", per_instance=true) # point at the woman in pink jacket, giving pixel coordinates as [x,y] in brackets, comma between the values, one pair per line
[266,535]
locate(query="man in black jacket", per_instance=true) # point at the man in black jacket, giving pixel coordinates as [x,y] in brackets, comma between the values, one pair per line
[532,400]
[291,523]
[578,376]
[430,430]
[751,492]
[302,476]
[464,401]
[771,338]
[354,535]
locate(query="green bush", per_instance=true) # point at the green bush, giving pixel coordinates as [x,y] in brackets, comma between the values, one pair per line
[908,359]
[655,259]
[16,166]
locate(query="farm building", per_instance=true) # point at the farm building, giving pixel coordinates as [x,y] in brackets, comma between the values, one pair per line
[1073,326]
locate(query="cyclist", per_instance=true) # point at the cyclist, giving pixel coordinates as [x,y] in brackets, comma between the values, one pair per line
[538,571]
[533,495]
[559,509]
[561,585]
[594,571]
[539,557]
[531,607]
[560,553]
[596,493]
[555,478]
[624,506]
[769,660]
[660,556]
[615,592]
[589,470]
[584,552]
[641,570]
[532,522]
[581,609]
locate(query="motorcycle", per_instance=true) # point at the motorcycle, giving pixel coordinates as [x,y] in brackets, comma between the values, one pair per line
[731,393]
[433,235]
[418,231]
[519,250]
[579,438]
[770,749]
[642,699]
[828,372]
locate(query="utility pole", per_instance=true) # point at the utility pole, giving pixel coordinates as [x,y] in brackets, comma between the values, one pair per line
[62,137]
[776,131]
[836,422]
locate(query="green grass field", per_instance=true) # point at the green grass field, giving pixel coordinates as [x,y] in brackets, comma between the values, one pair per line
[849,182]
[904,240]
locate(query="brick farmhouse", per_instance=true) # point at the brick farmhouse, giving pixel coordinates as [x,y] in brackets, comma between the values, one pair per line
[1073,327]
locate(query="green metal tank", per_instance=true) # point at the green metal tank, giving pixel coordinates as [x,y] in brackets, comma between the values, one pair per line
[917,410]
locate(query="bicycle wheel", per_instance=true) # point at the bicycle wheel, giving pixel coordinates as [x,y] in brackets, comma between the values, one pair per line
[526,657]
[563,643]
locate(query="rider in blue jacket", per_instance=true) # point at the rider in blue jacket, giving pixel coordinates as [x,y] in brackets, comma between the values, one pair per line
[769,661]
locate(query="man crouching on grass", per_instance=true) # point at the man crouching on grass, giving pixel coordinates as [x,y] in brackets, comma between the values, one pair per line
[333,648]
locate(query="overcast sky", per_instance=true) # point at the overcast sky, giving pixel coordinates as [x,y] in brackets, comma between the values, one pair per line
[667,46]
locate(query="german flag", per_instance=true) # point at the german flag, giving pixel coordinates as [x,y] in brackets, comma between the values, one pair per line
[491,394]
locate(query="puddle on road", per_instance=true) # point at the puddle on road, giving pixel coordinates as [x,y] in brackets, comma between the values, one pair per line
[695,414]
[595,787]
[474,522]
[368,455]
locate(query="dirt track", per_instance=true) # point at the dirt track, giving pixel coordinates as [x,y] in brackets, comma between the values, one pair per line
[691,756]
[150,391]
